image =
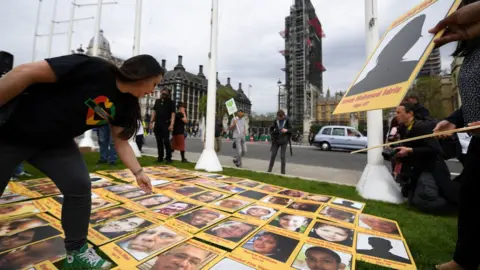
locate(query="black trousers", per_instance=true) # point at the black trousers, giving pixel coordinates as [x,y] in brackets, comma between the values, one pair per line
[139,139]
[467,249]
[163,141]
[64,164]
[274,150]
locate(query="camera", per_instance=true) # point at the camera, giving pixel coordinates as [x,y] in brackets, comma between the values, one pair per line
[389,153]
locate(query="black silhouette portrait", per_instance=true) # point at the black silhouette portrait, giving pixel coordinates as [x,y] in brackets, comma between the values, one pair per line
[381,249]
[390,68]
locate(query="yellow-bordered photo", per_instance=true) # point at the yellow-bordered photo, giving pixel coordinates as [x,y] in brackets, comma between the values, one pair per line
[379,225]
[141,246]
[197,220]
[292,193]
[104,215]
[52,250]
[384,251]
[228,233]
[310,255]
[15,225]
[232,261]
[191,254]
[260,213]
[253,194]
[347,204]
[277,200]
[332,234]
[269,188]
[247,183]
[117,228]
[210,183]
[9,211]
[319,198]
[231,204]
[28,237]
[290,223]
[209,196]
[338,215]
[307,208]
[267,249]
[173,209]
[152,201]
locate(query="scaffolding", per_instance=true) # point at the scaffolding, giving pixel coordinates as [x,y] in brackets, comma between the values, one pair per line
[303,33]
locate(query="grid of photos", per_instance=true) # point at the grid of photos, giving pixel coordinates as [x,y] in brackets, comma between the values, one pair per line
[201,221]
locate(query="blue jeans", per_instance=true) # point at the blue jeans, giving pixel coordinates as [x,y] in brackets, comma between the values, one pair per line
[19,170]
[107,147]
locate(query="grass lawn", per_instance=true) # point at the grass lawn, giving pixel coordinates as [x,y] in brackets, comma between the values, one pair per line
[431,239]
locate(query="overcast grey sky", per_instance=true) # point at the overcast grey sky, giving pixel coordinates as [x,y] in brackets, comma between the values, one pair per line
[248,36]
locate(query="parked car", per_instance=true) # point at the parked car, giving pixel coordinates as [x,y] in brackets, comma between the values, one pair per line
[340,137]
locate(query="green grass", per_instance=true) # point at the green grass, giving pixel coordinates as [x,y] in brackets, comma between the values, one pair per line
[431,239]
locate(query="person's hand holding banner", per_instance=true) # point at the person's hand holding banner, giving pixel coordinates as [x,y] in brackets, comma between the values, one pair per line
[463,24]
[444,126]
[403,151]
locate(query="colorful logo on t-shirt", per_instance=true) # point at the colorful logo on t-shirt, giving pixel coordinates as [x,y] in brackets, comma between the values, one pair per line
[101,111]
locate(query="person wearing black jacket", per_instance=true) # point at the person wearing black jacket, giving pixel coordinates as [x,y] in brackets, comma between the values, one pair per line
[420,111]
[420,158]
[464,26]
[280,132]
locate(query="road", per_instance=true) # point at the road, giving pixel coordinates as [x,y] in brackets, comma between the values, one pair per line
[310,156]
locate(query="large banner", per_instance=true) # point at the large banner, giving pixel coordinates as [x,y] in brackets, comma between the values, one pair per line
[398,58]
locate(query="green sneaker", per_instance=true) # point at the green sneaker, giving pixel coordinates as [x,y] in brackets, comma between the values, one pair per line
[83,259]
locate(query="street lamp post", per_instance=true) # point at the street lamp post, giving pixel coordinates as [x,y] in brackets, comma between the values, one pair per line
[376,182]
[36,30]
[208,160]
[279,83]
[52,28]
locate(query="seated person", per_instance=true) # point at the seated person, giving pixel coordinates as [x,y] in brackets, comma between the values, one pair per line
[424,175]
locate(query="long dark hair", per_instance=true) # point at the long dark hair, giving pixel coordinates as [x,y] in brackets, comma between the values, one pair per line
[465,47]
[137,68]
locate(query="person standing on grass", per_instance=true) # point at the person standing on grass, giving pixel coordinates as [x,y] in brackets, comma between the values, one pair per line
[239,133]
[67,96]
[463,26]
[178,133]
[108,155]
[163,119]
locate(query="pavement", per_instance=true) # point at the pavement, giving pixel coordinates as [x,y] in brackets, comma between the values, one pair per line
[307,162]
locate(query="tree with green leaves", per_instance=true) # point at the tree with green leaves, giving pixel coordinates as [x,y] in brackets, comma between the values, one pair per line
[223,94]
[428,89]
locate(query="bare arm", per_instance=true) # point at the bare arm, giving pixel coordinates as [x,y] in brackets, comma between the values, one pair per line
[19,78]
[172,119]
[126,154]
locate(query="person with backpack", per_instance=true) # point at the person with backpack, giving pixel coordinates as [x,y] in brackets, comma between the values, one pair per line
[424,175]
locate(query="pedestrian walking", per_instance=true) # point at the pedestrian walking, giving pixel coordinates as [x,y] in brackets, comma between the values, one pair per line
[20,171]
[178,133]
[463,25]
[280,133]
[239,133]
[67,96]
[163,119]
[218,135]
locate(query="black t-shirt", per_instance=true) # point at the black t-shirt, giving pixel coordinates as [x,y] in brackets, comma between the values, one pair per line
[179,125]
[54,112]
[163,110]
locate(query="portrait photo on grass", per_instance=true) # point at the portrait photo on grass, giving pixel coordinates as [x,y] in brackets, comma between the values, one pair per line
[291,222]
[313,257]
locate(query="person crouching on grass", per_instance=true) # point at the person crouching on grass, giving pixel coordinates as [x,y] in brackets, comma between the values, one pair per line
[178,133]
[67,96]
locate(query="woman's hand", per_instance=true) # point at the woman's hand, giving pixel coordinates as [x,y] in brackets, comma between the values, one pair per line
[143,182]
[403,151]
[444,126]
[463,24]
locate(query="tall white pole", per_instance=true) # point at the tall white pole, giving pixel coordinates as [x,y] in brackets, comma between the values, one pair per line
[208,161]
[70,26]
[138,26]
[376,182]
[87,142]
[36,30]
[52,28]
[136,51]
